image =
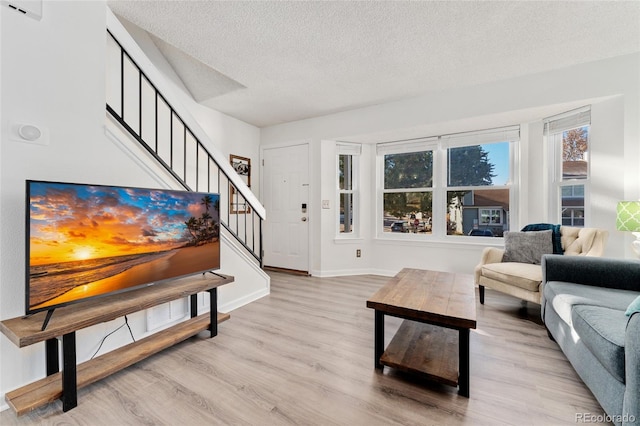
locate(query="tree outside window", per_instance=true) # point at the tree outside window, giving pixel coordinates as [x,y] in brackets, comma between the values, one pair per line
[474,207]
[407,194]
[575,145]
[568,137]
[575,168]
[448,185]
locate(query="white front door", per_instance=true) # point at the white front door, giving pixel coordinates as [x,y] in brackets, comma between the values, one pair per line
[286,200]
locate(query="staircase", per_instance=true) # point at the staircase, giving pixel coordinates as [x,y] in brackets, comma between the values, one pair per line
[176,142]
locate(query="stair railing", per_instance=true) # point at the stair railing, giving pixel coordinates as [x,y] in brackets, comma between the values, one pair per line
[135,102]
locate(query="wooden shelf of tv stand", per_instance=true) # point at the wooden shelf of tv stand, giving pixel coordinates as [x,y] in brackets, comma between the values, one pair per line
[25,331]
[49,389]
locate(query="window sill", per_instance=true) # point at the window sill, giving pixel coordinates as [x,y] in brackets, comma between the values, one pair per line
[443,242]
[347,240]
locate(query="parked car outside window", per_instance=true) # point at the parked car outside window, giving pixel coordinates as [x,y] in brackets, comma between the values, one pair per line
[481,233]
[400,227]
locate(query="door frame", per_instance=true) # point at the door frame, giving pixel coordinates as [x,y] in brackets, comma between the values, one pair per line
[310,204]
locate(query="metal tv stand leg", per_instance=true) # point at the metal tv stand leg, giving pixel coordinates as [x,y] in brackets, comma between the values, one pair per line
[213,302]
[52,360]
[69,376]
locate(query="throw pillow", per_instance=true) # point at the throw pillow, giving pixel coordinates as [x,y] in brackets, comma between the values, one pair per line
[556,236]
[633,307]
[527,247]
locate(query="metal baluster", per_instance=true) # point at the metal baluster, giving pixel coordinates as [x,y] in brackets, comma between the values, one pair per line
[155,151]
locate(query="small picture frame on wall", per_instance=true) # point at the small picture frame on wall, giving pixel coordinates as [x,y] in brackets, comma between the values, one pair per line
[242,166]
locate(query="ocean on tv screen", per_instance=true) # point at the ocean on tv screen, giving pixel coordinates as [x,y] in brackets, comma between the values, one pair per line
[92,240]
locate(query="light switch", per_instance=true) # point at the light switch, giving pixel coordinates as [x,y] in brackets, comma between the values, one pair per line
[325,204]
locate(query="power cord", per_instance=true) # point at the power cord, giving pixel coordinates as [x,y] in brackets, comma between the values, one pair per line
[126,322]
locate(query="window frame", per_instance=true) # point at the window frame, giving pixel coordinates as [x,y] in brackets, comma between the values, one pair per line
[508,185]
[554,129]
[403,147]
[439,145]
[354,151]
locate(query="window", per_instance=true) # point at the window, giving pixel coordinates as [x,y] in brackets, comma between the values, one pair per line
[348,156]
[568,138]
[449,185]
[478,185]
[490,216]
[572,205]
[407,194]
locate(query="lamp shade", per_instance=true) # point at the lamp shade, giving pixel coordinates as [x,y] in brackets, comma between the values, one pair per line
[628,216]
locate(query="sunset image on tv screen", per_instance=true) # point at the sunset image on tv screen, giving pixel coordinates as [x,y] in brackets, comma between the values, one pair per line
[89,240]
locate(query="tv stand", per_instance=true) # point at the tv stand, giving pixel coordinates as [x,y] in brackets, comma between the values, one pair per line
[213,273]
[47,319]
[25,331]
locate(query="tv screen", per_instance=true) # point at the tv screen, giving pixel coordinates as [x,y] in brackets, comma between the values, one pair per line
[85,241]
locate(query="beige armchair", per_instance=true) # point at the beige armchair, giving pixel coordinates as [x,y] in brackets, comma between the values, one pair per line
[524,280]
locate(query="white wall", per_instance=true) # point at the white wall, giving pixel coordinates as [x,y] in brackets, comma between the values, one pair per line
[53,76]
[611,86]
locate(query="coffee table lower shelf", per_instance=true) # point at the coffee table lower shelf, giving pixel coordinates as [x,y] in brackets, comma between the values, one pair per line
[426,350]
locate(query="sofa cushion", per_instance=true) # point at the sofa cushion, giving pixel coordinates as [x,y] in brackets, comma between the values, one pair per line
[577,241]
[602,330]
[527,247]
[564,296]
[523,275]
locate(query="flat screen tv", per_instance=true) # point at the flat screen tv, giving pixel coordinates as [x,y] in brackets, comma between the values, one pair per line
[86,241]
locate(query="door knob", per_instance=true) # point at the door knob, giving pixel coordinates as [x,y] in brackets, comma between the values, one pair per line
[304,219]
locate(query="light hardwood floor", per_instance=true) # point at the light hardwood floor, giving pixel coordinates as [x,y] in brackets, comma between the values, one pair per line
[304,356]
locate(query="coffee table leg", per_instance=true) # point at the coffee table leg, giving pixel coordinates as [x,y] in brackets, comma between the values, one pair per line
[379,338]
[463,363]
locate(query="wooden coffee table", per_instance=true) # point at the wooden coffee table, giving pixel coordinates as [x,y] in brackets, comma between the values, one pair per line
[434,305]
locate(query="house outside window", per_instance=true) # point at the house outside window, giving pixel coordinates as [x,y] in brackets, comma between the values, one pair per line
[572,201]
[479,181]
[348,162]
[568,137]
[456,185]
[490,216]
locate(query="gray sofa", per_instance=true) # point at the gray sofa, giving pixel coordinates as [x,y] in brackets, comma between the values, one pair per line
[583,307]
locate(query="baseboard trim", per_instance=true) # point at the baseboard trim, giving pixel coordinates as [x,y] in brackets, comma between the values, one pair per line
[244,300]
[287,271]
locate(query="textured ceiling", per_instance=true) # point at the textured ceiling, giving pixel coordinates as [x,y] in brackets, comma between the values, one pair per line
[270,62]
[202,81]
